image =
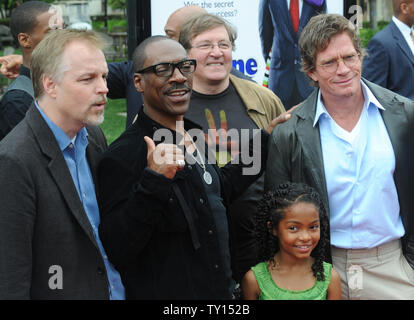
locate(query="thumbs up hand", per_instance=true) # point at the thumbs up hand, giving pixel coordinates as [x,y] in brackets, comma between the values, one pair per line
[165,159]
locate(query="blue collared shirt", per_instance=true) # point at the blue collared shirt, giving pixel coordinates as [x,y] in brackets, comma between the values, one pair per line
[74,152]
[359,167]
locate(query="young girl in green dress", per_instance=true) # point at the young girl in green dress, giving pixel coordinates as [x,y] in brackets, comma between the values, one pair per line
[292,233]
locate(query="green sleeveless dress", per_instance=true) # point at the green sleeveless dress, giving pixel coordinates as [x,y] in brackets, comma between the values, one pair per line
[270,291]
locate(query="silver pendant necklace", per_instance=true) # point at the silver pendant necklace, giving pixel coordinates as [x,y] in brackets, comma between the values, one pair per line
[199,160]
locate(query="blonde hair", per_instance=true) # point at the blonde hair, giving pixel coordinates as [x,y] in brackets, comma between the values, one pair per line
[46,58]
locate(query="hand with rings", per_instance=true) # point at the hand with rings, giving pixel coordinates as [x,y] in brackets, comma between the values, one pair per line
[165,159]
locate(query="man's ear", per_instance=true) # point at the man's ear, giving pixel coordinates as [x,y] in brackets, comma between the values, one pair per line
[311,74]
[25,40]
[404,7]
[49,86]
[139,82]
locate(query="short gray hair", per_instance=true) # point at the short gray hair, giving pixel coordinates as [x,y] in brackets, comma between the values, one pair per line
[46,58]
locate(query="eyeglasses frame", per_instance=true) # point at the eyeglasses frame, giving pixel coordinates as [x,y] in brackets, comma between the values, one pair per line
[174,64]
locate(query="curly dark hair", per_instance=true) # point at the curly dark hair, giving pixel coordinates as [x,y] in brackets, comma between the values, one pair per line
[271,209]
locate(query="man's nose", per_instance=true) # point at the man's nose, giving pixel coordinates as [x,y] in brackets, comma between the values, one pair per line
[342,67]
[177,76]
[216,51]
[102,87]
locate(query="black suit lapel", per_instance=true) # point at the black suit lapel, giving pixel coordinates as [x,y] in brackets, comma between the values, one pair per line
[58,169]
[309,138]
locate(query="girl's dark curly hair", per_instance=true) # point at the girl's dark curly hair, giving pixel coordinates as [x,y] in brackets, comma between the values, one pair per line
[271,209]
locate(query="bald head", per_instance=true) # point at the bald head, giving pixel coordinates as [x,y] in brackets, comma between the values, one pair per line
[178,18]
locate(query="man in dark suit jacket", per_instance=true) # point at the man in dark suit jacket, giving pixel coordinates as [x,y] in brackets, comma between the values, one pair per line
[277,33]
[49,216]
[345,141]
[390,60]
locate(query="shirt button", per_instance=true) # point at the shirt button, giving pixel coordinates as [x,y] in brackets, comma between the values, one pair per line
[71,145]
[190,167]
[170,200]
[357,212]
[201,201]
[210,232]
[357,239]
[216,266]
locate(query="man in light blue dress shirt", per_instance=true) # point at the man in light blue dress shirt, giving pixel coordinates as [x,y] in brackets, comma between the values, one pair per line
[49,215]
[345,141]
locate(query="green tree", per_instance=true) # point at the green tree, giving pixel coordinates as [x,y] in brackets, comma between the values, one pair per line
[117,4]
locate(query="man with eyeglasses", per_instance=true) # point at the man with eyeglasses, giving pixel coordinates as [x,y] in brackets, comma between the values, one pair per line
[226,107]
[345,140]
[163,201]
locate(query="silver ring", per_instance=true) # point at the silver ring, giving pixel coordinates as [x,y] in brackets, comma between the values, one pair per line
[181,163]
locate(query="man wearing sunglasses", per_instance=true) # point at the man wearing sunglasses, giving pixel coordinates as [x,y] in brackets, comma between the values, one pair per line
[164,219]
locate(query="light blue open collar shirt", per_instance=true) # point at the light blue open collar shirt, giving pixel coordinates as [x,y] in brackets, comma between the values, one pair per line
[74,152]
[359,167]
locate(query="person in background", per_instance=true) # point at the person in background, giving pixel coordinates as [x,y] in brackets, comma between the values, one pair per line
[390,53]
[29,23]
[280,25]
